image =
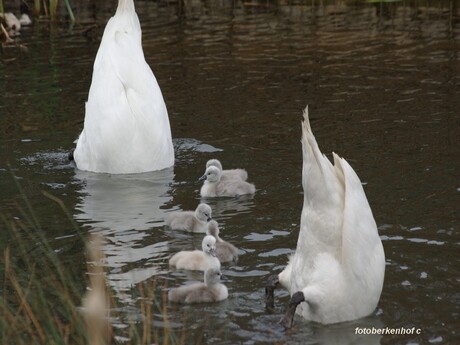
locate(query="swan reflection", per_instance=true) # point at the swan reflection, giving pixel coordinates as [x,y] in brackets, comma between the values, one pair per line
[127,210]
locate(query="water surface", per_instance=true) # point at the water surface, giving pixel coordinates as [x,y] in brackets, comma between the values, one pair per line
[382,84]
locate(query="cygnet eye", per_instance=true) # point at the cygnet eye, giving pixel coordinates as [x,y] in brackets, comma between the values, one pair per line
[208,173]
[208,245]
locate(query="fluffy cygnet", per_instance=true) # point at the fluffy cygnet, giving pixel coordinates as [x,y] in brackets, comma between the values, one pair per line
[228,174]
[197,260]
[194,221]
[209,291]
[214,186]
[225,251]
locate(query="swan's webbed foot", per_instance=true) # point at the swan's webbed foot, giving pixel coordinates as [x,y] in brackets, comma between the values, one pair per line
[288,318]
[272,282]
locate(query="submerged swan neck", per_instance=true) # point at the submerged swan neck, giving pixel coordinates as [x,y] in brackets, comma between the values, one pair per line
[288,318]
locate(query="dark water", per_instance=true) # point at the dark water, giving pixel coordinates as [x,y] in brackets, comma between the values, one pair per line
[382,82]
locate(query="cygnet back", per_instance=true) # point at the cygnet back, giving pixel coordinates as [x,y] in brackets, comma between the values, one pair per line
[215,186]
[194,221]
[225,251]
[209,291]
[229,174]
[197,260]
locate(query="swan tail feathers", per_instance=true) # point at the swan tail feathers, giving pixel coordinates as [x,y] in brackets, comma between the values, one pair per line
[311,151]
[359,227]
[319,179]
[321,223]
[125,6]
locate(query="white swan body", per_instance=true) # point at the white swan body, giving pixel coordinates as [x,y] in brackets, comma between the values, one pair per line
[197,260]
[339,262]
[12,24]
[228,174]
[209,291]
[25,20]
[126,128]
[225,251]
[214,186]
[194,221]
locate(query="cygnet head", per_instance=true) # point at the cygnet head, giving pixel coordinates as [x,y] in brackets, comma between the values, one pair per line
[209,245]
[212,276]
[212,174]
[214,162]
[203,212]
[213,229]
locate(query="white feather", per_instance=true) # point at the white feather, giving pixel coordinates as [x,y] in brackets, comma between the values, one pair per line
[339,262]
[126,128]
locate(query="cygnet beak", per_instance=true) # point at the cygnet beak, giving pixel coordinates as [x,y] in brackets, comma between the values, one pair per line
[209,219]
[213,252]
[202,178]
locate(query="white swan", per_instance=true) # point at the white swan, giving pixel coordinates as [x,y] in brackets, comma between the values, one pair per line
[197,260]
[12,24]
[25,19]
[214,186]
[225,251]
[228,174]
[339,263]
[126,127]
[209,291]
[194,221]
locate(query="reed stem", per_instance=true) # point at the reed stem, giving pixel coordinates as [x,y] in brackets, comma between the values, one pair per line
[37,8]
[53,9]
[69,9]
[3,30]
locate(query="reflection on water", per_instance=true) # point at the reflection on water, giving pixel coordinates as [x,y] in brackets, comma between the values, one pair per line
[124,210]
[121,203]
[382,83]
[224,208]
[128,211]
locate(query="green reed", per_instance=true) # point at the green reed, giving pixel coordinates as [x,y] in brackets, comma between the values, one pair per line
[43,290]
[50,9]
[37,7]
[39,294]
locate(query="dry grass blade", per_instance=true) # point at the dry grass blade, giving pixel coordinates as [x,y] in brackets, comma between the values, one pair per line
[41,293]
[23,301]
[96,303]
[5,33]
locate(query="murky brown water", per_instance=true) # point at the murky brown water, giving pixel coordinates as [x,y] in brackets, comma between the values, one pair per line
[382,81]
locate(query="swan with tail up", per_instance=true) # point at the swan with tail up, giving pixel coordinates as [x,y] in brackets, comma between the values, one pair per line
[126,128]
[336,273]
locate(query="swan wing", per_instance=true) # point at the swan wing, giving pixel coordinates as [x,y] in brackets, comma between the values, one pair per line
[322,213]
[362,251]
